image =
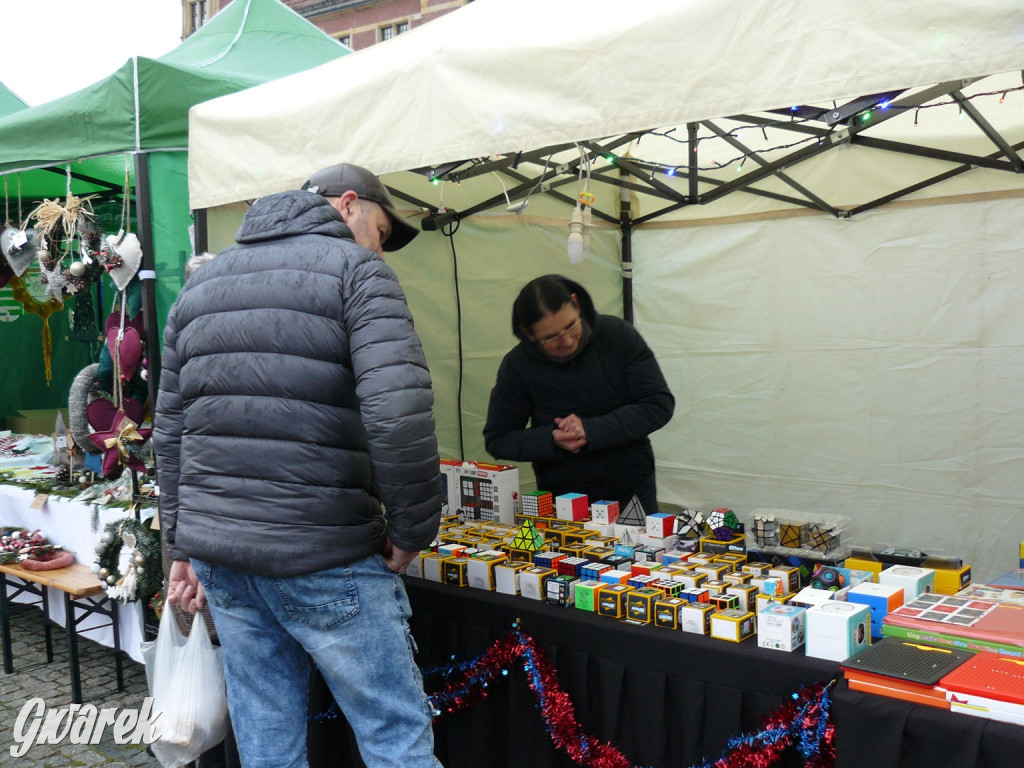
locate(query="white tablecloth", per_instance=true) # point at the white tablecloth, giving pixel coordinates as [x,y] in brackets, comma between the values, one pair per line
[70,524]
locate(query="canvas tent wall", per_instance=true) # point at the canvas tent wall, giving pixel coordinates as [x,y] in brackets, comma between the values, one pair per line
[833,296]
[134,123]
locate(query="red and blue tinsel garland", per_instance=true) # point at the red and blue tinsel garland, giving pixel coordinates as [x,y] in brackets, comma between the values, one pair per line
[804,722]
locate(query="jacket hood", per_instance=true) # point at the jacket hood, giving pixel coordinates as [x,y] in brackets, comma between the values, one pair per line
[293,212]
[586,307]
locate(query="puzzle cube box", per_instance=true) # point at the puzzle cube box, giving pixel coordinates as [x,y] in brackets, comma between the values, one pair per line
[482,491]
[836,630]
[781,627]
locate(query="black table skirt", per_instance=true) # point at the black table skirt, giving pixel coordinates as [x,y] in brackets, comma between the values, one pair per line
[664,698]
[882,732]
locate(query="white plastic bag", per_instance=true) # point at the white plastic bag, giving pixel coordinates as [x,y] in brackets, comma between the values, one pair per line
[186,681]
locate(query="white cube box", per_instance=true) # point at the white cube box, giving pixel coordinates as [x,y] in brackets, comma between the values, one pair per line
[914,581]
[480,569]
[781,627]
[809,596]
[836,631]
[506,577]
[531,582]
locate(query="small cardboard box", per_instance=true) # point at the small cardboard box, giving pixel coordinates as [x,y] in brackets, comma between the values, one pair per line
[586,595]
[611,600]
[809,596]
[455,571]
[790,576]
[949,581]
[666,612]
[696,617]
[480,569]
[914,581]
[733,625]
[746,593]
[506,577]
[532,580]
[433,566]
[561,590]
[482,491]
[837,630]
[881,599]
[41,421]
[782,627]
[640,604]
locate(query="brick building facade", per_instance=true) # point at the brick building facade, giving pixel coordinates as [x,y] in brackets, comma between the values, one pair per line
[356,23]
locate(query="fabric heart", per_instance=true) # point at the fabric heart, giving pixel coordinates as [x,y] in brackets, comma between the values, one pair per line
[114,321]
[20,253]
[100,413]
[126,353]
[130,250]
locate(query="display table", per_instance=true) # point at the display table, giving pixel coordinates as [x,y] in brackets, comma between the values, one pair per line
[70,524]
[662,697]
[889,733]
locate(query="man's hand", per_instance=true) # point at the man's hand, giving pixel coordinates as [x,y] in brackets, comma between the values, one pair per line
[397,559]
[569,434]
[183,587]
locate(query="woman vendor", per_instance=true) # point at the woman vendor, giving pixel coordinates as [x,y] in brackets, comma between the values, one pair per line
[578,397]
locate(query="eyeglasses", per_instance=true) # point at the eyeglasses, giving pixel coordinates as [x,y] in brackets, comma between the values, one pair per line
[554,338]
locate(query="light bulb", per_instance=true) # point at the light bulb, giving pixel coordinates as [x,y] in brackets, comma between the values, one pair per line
[575,246]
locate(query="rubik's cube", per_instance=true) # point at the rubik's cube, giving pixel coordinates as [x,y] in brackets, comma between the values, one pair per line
[766,531]
[538,503]
[822,537]
[723,523]
[792,534]
[690,524]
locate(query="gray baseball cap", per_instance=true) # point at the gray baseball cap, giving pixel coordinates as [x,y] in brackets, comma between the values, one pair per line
[336,180]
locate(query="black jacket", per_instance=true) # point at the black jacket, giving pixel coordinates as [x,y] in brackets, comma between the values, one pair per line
[294,400]
[614,385]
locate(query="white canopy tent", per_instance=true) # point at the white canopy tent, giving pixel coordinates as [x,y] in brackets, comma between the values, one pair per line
[810,215]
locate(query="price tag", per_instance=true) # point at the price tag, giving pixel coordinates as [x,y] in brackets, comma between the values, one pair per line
[62,441]
[40,500]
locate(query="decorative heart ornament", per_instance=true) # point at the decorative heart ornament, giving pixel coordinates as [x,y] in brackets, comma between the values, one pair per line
[130,250]
[20,247]
[100,412]
[127,353]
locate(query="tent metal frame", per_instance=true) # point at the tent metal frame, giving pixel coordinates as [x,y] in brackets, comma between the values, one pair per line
[841,125]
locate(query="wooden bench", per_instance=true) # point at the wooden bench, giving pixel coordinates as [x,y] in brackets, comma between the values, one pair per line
[81,589]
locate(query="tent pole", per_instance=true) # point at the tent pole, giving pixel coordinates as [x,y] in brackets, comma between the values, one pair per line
[144,212]
[626,248]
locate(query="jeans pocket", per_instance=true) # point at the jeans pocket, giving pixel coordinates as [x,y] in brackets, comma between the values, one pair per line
[320,600]
[215,594]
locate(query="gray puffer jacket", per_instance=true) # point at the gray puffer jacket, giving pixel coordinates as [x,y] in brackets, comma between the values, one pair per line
[294,401]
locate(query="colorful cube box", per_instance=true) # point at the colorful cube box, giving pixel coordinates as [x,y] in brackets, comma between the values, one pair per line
[611,600]
[506,577]
[790,576]
[914,581]
[640,604]
[480,569]
[455,571]
[560,590]
[782,627]
[696,618]
[532,582]
[881,599]
[837,630]
[604,512]
[733,625]
[666,612]
[482,491]
[572,506]
[586,595]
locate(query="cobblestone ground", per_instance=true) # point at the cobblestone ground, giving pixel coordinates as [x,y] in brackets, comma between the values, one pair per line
[33,677]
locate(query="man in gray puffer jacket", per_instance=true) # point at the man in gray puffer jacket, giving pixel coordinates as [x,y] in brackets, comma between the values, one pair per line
[298,468]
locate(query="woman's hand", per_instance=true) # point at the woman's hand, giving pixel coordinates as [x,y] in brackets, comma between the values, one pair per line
[569,434]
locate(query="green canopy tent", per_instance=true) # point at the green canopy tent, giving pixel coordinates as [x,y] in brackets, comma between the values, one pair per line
[131,130]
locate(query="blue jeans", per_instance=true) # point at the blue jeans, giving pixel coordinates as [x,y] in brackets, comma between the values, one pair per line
[352,621]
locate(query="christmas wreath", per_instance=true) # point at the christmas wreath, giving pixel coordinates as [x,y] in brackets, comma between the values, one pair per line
[142,575]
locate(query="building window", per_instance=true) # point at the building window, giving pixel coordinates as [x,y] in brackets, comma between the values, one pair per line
[196,15]
[345,40]
[401,27]
[386,33]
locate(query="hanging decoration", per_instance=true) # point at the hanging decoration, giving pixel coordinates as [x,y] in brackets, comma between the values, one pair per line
[138,573]
[802,723]
[122,444]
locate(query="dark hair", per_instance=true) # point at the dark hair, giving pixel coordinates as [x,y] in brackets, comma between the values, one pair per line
[543,295]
